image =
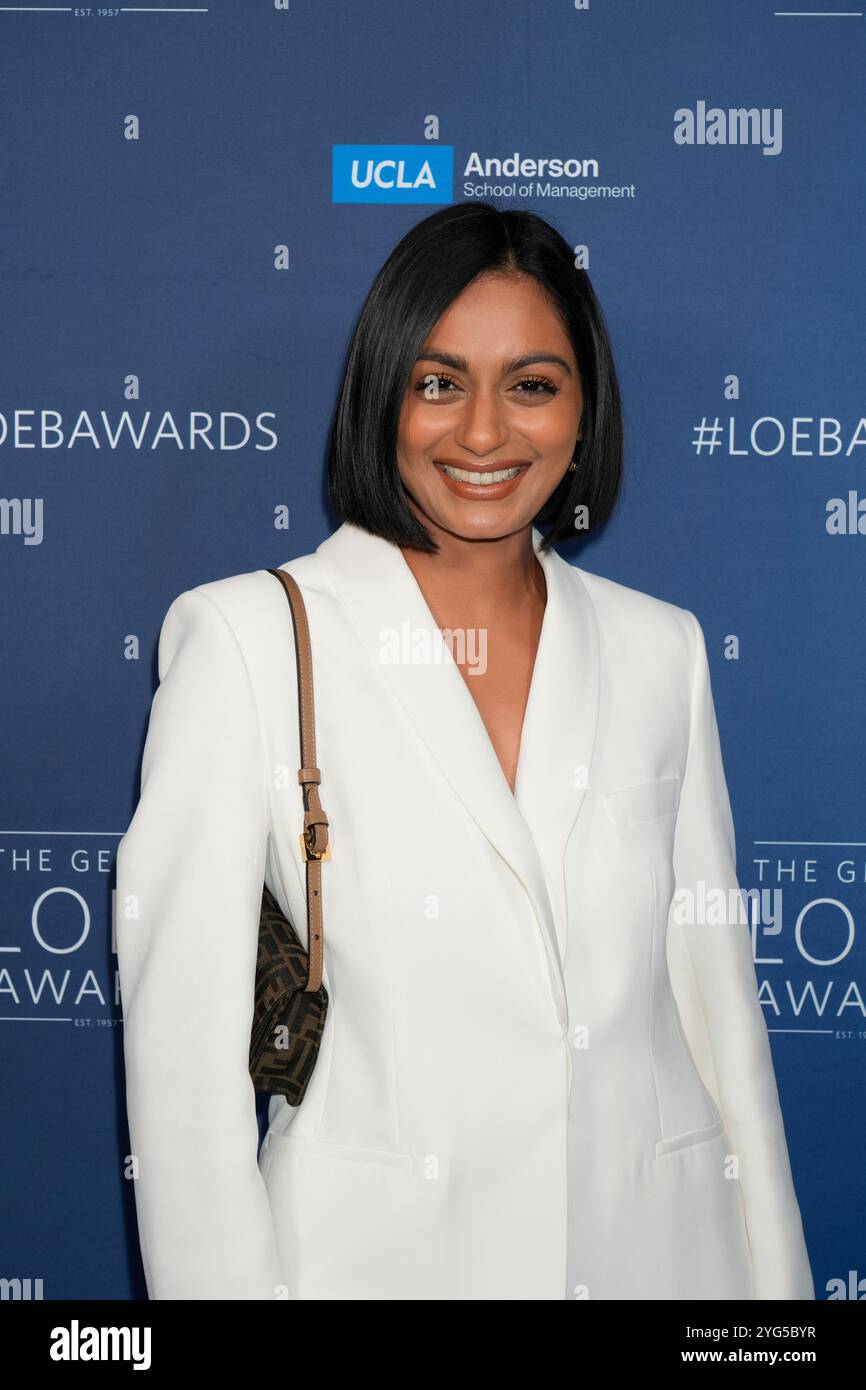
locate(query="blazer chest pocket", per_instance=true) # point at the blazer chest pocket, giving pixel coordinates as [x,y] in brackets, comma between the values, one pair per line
[644,816]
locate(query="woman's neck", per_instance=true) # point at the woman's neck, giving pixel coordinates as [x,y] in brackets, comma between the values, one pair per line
[481,582]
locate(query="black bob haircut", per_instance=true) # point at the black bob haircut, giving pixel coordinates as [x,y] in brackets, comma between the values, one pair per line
[427,270]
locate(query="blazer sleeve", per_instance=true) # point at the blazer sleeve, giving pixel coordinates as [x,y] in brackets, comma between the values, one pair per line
[188,895]
[723,992]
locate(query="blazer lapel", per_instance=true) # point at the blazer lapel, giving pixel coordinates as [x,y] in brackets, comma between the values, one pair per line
[559,726]
[529,829]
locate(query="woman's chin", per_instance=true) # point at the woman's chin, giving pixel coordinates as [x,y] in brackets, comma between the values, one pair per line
[476,520]
[483,522]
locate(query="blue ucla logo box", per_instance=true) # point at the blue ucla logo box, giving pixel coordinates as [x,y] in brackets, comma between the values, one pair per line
[392,173]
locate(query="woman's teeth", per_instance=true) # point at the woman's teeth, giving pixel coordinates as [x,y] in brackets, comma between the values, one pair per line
[466,475]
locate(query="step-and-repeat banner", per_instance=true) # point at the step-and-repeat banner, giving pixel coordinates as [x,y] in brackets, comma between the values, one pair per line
[195,201]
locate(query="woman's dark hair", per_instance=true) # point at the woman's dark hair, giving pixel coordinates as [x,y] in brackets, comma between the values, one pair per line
[427,270]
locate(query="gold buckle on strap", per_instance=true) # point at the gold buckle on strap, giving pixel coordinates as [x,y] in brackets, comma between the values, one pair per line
[308,852]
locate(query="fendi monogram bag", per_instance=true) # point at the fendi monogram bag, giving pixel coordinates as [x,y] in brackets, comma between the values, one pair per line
[291,1003]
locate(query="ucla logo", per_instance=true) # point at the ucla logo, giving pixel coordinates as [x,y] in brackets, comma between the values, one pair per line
[392,173]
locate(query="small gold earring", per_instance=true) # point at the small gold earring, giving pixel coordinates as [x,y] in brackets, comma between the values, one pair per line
[572,467]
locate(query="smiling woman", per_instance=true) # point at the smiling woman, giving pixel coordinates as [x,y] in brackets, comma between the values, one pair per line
[477,335]
[456,424]
[535,1080]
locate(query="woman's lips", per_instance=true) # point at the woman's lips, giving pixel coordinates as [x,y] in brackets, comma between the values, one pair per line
[462,481]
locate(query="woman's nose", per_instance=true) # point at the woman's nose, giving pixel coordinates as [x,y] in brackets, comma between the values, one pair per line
[481,427]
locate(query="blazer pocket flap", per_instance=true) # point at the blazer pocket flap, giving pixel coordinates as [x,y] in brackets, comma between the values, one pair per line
[643,801]
[690,1139]
[323,1148]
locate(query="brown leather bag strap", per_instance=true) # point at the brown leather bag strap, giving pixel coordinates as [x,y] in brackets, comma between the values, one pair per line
[314,839]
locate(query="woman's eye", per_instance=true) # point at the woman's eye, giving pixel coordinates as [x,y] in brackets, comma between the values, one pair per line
[539,386]
[432,386]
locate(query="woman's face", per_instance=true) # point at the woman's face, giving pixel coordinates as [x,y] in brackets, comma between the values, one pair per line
[496,389]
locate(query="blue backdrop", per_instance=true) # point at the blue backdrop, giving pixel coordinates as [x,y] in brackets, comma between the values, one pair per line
[183,246]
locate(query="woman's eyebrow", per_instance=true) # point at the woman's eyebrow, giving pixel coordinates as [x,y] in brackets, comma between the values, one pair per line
[446,359]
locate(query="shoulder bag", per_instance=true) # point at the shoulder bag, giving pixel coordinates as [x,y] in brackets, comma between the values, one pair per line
[291,1003]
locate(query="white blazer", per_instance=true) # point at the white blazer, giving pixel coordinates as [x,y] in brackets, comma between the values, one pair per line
[495,963]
